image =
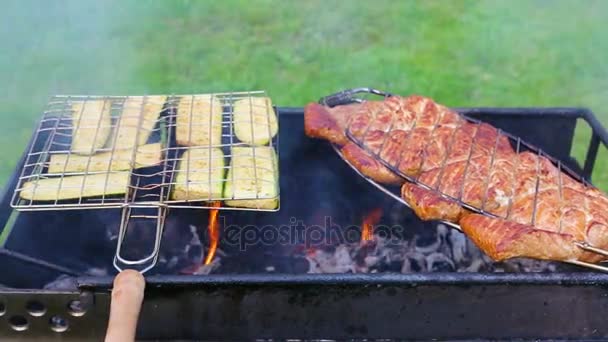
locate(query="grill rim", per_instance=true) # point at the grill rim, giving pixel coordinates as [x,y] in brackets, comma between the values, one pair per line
[411,279]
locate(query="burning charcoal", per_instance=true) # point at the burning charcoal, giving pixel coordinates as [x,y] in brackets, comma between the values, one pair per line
[428,247]
[170,263]
[444,232]
[338,262]
[313,266]
[414,262]
[394,266]
[365,248]
[432,241]
[427,242]
[342,256]
[476,266]
[459,247]
[437,262]
[412,265]
[390,253]
[529,265]
[181,248]
[372,260]
[209,268]
[476,254]
[381,243]
[280,263]
[505,267]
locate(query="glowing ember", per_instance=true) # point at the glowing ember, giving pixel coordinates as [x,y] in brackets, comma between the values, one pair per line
[369,221]
[214,232]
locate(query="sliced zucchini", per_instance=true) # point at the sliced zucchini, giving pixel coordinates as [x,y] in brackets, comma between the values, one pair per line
[200,175]
[252,182]
[255,121]
[199,121]
[146,155]
[73,187]
[137,120]
[92,124]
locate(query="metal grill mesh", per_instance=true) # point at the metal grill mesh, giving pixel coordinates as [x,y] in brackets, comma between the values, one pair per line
[377,147]
[171,151]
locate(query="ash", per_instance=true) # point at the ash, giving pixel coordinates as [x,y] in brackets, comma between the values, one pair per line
[442,249]
[184,251]
[425,247]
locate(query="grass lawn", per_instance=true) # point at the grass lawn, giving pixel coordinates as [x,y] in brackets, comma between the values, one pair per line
[461,53]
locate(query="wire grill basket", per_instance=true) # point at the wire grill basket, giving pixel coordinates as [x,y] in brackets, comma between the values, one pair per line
[177,150]
[147,154]
[376,147]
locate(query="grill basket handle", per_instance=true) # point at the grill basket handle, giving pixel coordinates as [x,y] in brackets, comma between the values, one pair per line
[349,96]
[147,262]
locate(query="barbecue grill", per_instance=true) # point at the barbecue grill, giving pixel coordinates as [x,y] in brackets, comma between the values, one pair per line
[232,301]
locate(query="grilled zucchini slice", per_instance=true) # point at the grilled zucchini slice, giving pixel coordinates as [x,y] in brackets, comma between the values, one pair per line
[137,120]
[91,125]
[73,187]
[241,185]
[199,121]
[200,175]
[255,121]
[146,155]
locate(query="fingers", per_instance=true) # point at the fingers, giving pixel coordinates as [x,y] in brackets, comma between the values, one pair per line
[127,297]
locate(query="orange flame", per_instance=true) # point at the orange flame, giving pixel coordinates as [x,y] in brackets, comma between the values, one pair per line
[214,232]
[367,227]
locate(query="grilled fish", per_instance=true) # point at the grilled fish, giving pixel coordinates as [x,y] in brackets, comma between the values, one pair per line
[534,208]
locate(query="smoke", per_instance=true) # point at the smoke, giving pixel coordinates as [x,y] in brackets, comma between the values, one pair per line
[56,47]
[461,53]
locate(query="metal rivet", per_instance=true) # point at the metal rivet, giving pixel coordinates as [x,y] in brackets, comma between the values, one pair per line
[58,324]
[35,308]
[18,323]
[76,308]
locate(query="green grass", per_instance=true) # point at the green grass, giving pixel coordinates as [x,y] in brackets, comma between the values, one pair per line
[462,53]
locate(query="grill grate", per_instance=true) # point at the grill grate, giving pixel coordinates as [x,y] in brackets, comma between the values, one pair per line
[113,130]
